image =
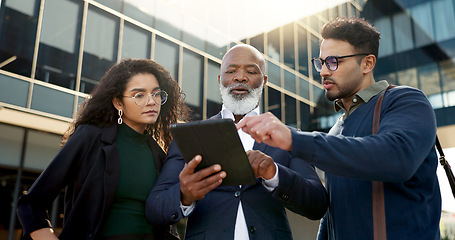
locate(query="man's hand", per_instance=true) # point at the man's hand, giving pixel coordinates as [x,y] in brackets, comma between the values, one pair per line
[268,129]
[194,185]
[262,164]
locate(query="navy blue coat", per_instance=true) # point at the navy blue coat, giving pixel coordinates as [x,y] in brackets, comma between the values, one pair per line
[401,154]
[300,190]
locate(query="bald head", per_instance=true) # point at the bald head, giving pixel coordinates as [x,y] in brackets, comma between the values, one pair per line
[245,51]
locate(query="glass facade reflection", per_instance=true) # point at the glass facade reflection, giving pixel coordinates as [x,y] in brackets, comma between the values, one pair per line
[53,52]
[417,48]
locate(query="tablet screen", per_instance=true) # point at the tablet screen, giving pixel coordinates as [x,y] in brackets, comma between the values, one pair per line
[217,141]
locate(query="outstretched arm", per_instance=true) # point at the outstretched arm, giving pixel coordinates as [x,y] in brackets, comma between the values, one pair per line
[297,187]
[300,189]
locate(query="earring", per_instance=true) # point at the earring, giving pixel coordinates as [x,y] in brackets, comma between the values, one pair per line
[120,113]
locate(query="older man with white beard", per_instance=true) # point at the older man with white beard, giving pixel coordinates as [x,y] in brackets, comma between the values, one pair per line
[238,212]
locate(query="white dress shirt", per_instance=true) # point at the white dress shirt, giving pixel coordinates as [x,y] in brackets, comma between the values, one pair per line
[241,229]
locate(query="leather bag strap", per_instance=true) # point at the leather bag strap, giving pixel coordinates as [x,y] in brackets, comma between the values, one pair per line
[446,165]
[379,226]
[379,223]
[377,187]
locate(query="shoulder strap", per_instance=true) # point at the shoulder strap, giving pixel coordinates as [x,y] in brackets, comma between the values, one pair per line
[379,224]
[377,110]
[445,164]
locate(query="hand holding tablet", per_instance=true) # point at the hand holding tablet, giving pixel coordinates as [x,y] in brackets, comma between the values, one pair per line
[218,142]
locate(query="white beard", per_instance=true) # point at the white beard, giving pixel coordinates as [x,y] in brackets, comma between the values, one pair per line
[241,104]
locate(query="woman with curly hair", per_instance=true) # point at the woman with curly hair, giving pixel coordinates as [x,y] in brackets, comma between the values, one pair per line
[110,159]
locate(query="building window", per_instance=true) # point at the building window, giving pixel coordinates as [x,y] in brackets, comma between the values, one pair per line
[100,49]
[194,33]
[213,89]
[52,101]
[11,139]
[41,149]
[192,81]
[136,42]
[402,32]
[448,80]
[274,98]
[274,75]
[314,54]
[288,46]
[258,42]
[384,26]
[59,44]
[273,45]
[290,108]
[305,116]
[290,81]
[423,24]
[429,84]
[13,91]
[18,46]
[302,50]
[166,53]
[408,77]
[304,88]
[445,16]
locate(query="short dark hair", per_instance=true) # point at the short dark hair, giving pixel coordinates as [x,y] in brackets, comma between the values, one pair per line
[358,32]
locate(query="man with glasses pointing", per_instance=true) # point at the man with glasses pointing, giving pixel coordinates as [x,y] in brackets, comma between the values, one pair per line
[400,158]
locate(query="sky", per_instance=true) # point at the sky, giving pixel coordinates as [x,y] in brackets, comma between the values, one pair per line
[236,19]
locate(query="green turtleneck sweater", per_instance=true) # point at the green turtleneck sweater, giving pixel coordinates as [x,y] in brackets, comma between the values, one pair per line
[137,177]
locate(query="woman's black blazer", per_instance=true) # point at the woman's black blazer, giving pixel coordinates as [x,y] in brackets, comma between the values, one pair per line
[88,167]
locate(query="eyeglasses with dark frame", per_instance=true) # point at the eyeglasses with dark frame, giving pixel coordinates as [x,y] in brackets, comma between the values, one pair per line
[142,99]
[331,61]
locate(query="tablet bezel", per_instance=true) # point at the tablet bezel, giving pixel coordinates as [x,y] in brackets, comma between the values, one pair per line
[217,141]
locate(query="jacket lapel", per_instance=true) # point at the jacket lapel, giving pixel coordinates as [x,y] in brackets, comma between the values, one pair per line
[111,161]
[216,116]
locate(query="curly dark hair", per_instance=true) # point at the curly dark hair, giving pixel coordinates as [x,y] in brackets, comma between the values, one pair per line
[99,110]
[358,32]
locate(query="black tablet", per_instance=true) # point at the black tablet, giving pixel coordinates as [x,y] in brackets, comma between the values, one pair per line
[217,141]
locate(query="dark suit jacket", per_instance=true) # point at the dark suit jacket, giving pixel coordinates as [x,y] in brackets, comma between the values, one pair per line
[88,167]
[214,216]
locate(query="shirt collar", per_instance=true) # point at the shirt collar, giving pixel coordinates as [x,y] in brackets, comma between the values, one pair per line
[364,95]
[226,113]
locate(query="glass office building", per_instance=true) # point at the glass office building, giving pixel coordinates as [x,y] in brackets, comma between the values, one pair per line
[53,52]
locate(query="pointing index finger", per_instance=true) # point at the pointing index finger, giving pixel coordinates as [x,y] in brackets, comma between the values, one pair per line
[247,123]
[241,124]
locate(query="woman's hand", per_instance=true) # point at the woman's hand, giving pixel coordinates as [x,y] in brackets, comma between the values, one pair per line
[44,234]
